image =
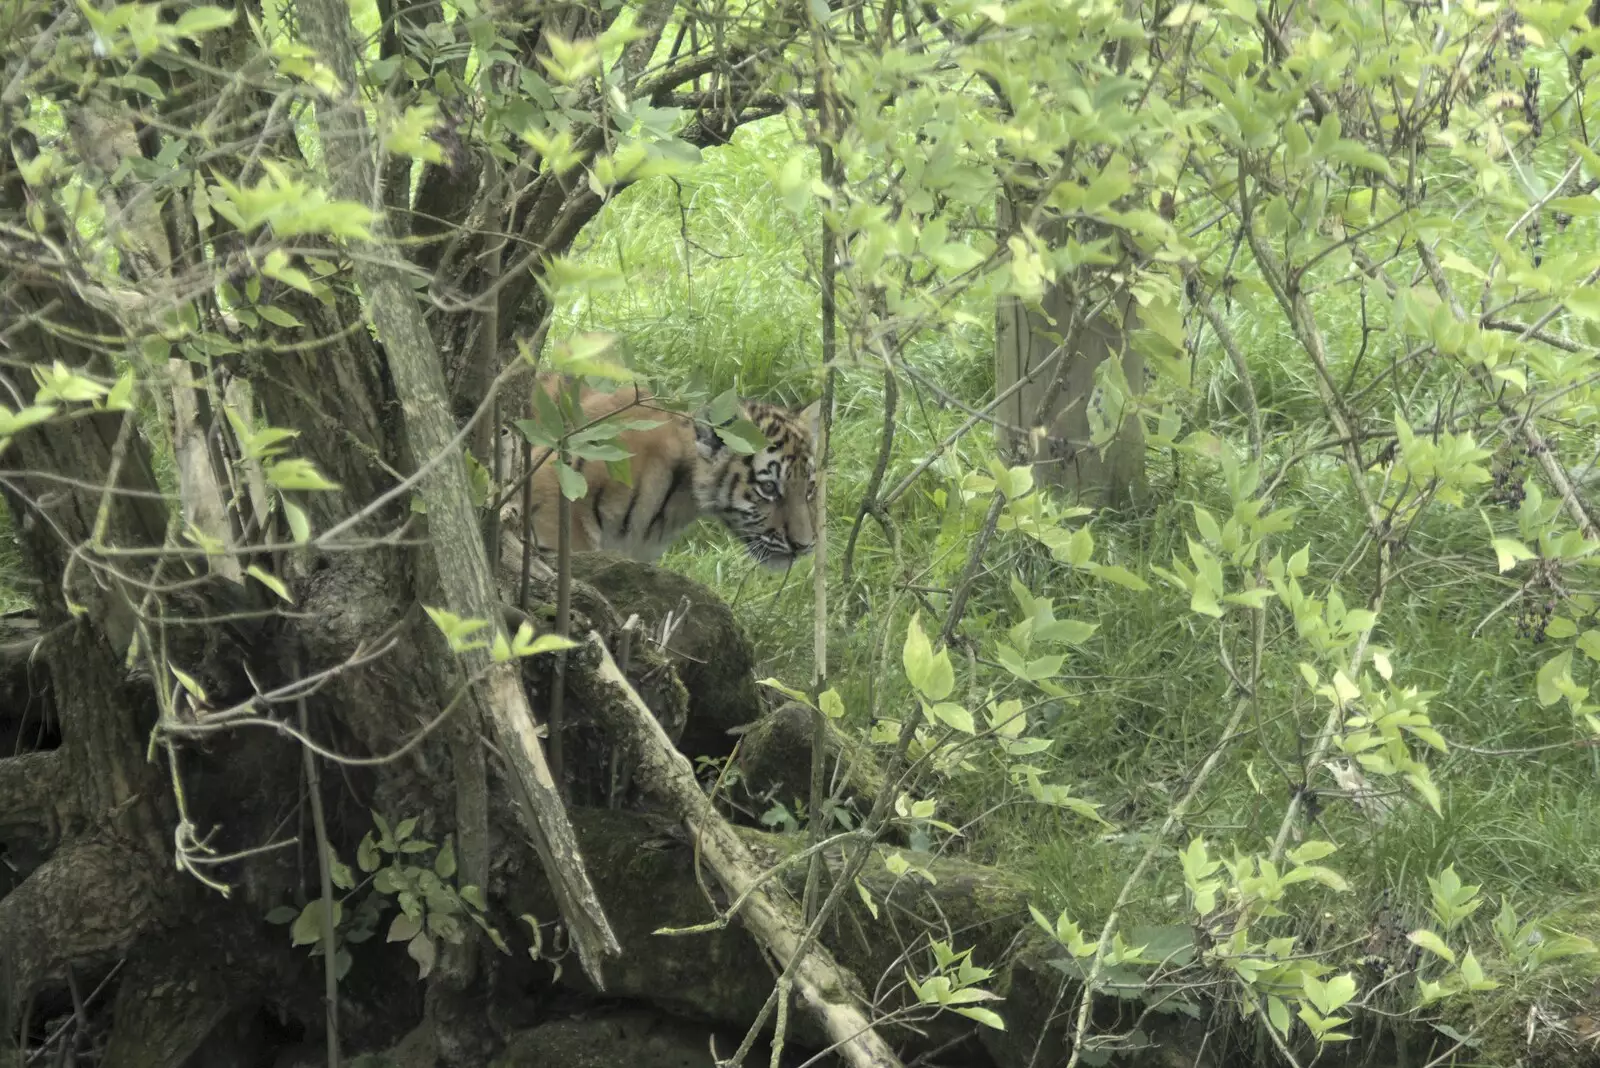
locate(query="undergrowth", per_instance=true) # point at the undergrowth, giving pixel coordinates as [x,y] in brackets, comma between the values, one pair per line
[721,294]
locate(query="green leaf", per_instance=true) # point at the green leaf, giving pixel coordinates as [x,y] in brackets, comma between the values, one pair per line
[1185,14]
[956,257]
[58,382]
[421,949]
[1432,943]
[1079,548]
[307,929]
[276,265]
[270,581]
[120,399]
[457,631]
[1560,628]
[953,716]
[1472,972]
[831,703]
[931,674]
[444,865]
[297,474]
[866,898]
[742,436]
[1278,1013]
[278,317]
[299,523]
[544,643]
[201,19]
[1584,303]
[579,356]
[573,485]
[984,1016]
[282,914]
[1312,851]
[787,690]
[340,875]
[404,928]
[1118,575]
[1508,551]
[1552,674]
[12,423]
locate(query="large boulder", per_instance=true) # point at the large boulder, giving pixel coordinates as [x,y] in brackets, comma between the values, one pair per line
[704,643]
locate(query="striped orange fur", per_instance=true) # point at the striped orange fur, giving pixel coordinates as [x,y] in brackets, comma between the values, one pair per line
[682,471]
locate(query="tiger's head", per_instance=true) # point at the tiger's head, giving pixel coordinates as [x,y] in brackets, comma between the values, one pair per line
[766,498]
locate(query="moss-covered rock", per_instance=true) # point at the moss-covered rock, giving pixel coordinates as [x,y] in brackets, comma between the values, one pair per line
[635,1039]
[775,760]
[643,869]
[710,653]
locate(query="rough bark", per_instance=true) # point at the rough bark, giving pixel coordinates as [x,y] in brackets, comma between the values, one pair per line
[704,643]
[1052,410]
[116,893]
[774,753]
[645,868]
[458,551]
[631,1037]
[32,795]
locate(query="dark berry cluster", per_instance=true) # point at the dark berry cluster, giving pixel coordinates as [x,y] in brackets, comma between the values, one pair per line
[1534,612]
[1508,479]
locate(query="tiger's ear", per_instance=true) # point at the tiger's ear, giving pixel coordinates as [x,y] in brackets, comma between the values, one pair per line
[707,441]
[810,417]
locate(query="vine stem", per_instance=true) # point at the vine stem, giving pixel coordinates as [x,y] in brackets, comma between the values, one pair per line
[1303,322]
[319,824]
[558,682]
[827,132]
[1086,1003]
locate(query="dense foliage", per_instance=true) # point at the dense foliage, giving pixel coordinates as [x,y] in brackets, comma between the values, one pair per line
[1340,653]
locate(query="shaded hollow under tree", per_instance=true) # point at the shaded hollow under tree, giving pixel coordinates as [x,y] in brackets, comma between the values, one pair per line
[129,250]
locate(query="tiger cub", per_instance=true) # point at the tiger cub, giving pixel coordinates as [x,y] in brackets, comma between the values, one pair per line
[682,471]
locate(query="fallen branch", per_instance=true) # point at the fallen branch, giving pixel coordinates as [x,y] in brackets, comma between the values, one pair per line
[457,543]
[830,993]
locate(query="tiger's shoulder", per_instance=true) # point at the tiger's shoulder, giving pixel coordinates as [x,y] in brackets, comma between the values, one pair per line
[642,474]
[636,464]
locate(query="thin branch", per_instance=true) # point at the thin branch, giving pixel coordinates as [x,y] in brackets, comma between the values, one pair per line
[330,958]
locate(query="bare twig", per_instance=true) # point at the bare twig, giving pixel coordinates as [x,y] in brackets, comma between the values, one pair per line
[827,133]
[823,986]
[558,676]
[969,574]
[457,543]
[330,962]
[869,496]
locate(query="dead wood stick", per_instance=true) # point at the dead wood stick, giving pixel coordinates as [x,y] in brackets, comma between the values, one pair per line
[464,577]
[826,989]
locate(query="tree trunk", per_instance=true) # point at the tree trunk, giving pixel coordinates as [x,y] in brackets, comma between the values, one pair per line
[1048,421]
[127,807]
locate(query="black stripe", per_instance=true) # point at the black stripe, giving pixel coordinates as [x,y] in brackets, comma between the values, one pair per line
[594,506]
[679,470]
[627,517]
